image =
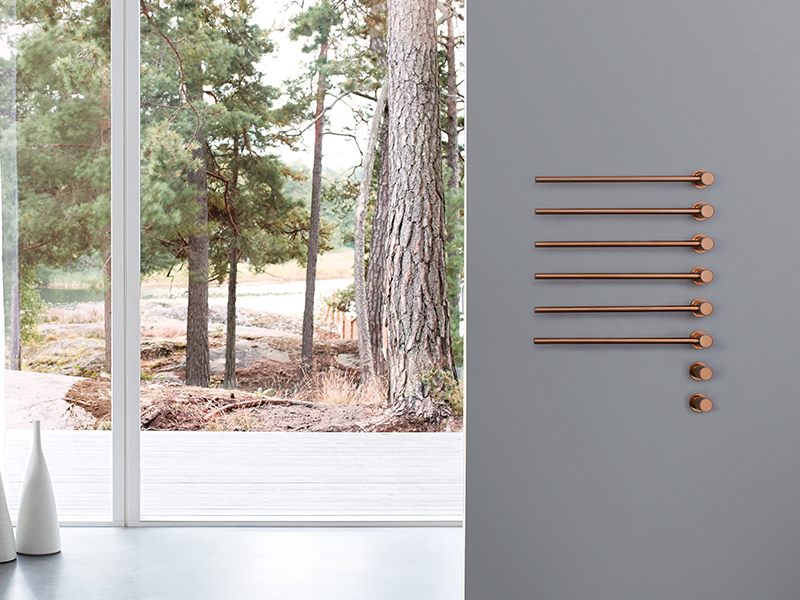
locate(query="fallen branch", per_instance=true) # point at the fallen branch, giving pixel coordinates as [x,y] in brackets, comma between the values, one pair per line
[257,402]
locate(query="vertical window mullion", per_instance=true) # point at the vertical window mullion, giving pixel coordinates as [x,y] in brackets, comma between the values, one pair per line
[125,258]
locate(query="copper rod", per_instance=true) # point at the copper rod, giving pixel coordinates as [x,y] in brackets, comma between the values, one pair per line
[622,179]
[622,244]
[698,339]
[698,276]
[699,179]
[699,211]
[605,309]
[617,211]
[691,276]
[614,341]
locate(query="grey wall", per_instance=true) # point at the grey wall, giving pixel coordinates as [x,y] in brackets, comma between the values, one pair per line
[587,475]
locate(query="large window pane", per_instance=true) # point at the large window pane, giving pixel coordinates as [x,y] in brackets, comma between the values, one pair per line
[54,155]
[236,422]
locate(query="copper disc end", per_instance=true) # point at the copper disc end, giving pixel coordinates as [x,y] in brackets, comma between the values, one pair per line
[706,179]
[703,340]
[700,403]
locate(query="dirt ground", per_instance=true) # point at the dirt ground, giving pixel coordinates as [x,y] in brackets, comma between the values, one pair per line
[272,395]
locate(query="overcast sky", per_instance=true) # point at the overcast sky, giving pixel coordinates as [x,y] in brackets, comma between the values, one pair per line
[288,60]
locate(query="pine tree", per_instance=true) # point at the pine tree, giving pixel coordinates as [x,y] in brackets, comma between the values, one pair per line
[417,310]
[318,23]
[63,139]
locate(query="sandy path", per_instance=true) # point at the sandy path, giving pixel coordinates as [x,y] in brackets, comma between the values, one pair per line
[30,396]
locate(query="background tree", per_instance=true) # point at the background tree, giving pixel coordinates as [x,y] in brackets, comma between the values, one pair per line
[63,137]
[451,96]
[417,308]
[182,47]
[318,23]
[202,85]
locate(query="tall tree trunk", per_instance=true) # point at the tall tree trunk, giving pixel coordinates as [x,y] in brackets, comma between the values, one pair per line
[360,293]
[197,367]
[417,312]
[229,380]
[450,102]
[307,350]
[376,269]
[106,254]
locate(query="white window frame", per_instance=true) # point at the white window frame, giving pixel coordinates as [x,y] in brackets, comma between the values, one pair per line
[126,481]
[125,299]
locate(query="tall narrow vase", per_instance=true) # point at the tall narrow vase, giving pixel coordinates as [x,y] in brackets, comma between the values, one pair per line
[37,524]
[8,550]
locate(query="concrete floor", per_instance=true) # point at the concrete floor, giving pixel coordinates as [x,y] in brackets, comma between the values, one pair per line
[223,563]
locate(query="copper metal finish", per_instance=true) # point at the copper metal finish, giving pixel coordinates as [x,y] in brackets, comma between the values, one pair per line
[699,243]
[699,276]
[702,308]
[705,179]
[699,179]
[704,211]
[703,340]
[700,372]
[698,339]
[699,211]
[698,307]
[700,403]
[703,243]
[703,276]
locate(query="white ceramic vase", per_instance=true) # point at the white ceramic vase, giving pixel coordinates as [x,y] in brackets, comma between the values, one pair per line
[8,550]
[37,524]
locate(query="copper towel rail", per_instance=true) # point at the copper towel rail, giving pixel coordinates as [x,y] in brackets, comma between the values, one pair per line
[699,243]
[698,308]
[699,211]
[698,179]
[699,276]
[698,339]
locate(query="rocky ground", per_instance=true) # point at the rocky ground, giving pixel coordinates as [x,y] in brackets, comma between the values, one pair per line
[271,394]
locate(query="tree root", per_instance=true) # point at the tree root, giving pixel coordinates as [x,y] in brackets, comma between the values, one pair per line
[417,412]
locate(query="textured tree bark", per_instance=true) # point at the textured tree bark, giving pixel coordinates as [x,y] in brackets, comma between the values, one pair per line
[197,367]
[376,269]
[416,308]
[450,103]
[307,350]
[360,292]
[229,379]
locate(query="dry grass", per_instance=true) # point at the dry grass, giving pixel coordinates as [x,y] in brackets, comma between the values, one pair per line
[164,332]
[336,264]
[87,312]
[335,387]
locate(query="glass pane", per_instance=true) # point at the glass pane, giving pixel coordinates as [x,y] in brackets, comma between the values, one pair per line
[55,161]
[235,424]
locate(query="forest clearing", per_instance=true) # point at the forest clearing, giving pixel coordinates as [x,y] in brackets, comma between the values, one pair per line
[272,394]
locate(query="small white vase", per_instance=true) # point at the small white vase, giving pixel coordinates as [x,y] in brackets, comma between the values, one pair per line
[8,550]
[37,524]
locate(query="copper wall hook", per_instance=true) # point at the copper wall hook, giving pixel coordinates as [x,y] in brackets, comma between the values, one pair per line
[698,339]
[700,372]
[698,308]
[699,211]
[700,403]
[698,276]
[698,179]
[699,243]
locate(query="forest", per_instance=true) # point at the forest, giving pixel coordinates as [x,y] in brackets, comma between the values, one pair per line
[219,200]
